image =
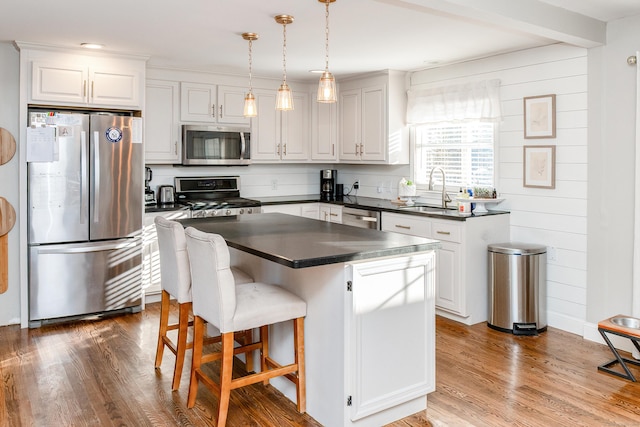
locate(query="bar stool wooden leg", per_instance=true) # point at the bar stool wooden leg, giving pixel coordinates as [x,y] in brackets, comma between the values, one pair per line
[164,322]
[301,386]
[198,335]
[183,324]
[264,350]
[226,371]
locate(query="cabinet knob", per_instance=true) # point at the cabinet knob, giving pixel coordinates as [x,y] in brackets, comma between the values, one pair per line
[220,111]
[213,111]
[284,149]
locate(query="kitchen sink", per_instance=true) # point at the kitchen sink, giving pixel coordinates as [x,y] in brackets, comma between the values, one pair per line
[430,209]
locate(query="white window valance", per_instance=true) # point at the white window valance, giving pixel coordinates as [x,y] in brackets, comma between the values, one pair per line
[470,101]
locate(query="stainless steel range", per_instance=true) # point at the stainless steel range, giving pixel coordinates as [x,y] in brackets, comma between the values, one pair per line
[214,196]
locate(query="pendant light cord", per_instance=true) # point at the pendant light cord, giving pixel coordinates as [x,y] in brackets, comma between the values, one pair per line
[326,41]
[284,53]
[250,64]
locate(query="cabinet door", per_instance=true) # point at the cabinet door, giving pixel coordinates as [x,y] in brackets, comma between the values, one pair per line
[393,299]
[324,118]
[59,83]
[331,213]
[265,128]
[448,278]
[197,103]
[295,129]
[231,105]
[374,119]
[162,131]
[117,87]
[350,124]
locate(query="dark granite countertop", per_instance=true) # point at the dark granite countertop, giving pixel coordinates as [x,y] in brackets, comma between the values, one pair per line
[372,203]
[298,242]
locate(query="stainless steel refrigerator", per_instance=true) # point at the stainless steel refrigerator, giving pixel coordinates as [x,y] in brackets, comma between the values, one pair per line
[85,214]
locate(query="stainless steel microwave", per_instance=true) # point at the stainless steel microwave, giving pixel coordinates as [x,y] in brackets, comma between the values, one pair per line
[215,145]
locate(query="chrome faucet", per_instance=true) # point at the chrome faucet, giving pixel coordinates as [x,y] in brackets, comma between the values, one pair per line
[445,196]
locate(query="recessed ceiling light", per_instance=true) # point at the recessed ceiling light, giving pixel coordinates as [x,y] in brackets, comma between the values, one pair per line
[92,45]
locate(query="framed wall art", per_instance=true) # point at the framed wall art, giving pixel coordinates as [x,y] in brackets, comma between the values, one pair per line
[539,166]
[540,116]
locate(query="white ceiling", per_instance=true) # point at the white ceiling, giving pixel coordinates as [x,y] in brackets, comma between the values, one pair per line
[365,35]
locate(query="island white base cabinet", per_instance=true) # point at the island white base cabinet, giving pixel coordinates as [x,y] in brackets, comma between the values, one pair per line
[369,335]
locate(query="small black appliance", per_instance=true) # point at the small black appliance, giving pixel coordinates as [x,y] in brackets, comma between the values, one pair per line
[149,195]
[328,178]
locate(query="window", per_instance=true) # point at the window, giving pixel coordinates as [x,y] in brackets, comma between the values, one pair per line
[464,150]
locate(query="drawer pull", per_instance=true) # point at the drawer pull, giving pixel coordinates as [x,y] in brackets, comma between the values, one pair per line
[446,233]
[406,227]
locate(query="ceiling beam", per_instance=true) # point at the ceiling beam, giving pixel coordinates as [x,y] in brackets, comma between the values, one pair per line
[529,16]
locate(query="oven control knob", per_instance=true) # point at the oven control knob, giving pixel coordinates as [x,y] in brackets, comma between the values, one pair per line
[250,210]
[241,211]
[228,211]
[214,213]
[197,214]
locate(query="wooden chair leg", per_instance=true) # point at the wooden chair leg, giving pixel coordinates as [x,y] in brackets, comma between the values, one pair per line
[162,331]
[198,337]
[298,341]
[264,350]
[226,371]
[183,324]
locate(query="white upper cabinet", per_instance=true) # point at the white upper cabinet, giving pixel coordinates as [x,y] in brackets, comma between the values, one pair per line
[161,125]
[72,79]
[207,103]
[280,135]
[324,131]
[372,126]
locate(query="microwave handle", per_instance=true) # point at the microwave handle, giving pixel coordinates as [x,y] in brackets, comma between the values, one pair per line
[243,146]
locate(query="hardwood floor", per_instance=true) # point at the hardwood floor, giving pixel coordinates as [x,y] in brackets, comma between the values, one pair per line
[100,373]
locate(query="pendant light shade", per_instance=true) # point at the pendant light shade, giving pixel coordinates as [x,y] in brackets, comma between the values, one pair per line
[284,101]
[327,85]
[250,108]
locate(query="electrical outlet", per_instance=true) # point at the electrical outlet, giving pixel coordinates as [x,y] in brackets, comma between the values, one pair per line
[551,254]
[380,187]
[356,185]
[274,184]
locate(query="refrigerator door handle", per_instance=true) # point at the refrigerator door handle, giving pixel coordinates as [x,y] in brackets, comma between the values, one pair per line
[83,174]
[97,247]
[96,177]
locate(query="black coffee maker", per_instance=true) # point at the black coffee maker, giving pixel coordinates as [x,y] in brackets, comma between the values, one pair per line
[328,178]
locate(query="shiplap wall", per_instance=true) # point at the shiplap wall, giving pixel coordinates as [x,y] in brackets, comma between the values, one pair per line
[556,218]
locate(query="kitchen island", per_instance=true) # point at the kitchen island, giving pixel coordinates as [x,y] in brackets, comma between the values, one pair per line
[370,326]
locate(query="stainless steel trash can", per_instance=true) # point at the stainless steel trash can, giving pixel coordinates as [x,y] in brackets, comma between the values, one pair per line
[517,288]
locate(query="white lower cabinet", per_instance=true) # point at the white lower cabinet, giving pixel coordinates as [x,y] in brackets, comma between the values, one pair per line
[390,299]
[307,210]
[150,252]
[331,213]
[461,276]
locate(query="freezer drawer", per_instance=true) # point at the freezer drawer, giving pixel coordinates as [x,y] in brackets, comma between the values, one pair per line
[77,279]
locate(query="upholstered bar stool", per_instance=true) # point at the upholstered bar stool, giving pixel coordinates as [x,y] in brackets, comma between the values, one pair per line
[176,282]
[237,307]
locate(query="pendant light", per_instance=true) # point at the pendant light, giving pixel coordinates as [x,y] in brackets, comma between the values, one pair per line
[327,86]
[284,101]
[250,109]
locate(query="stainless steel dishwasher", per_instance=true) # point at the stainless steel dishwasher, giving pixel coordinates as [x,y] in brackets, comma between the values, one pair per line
[361,218]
